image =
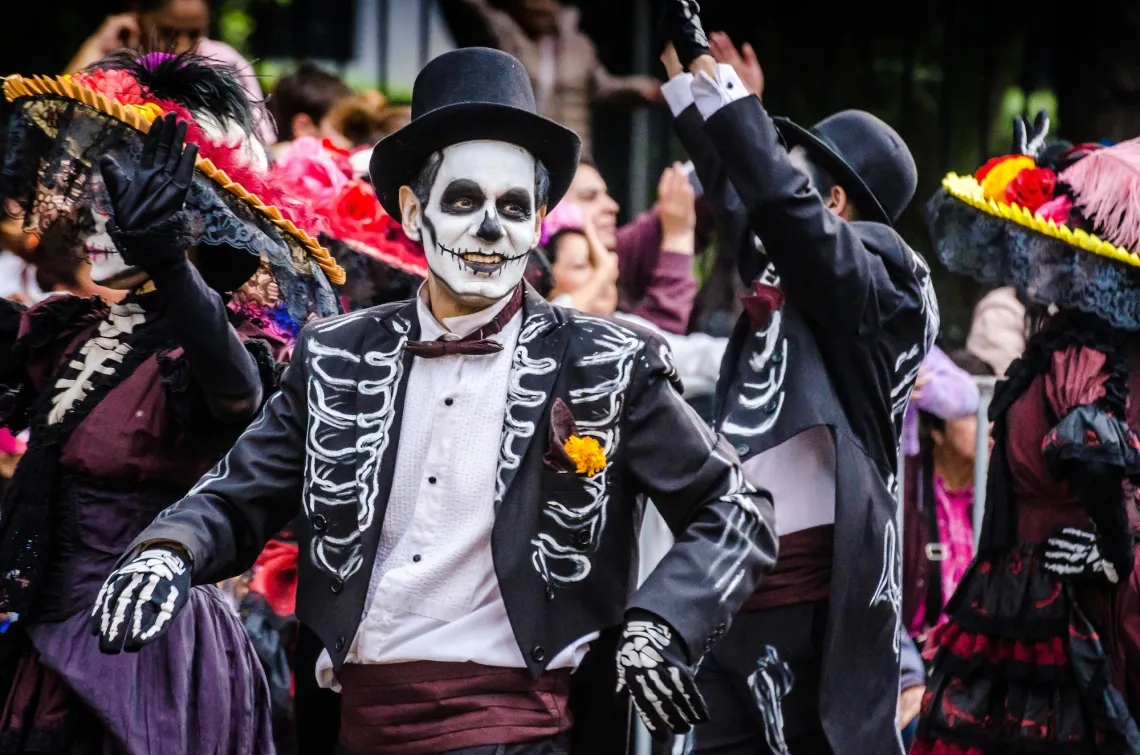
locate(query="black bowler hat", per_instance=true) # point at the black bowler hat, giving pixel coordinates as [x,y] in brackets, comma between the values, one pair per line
[865,156]
[465,95]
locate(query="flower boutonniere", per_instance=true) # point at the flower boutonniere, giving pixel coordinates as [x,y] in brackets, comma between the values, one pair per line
[570,451]
[586,453]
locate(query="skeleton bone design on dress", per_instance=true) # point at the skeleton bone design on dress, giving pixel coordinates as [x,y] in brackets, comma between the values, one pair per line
[888,591]
[661,685]
[101,354]
[161,580]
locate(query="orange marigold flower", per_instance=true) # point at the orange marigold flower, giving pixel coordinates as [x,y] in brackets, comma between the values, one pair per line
[586,453]
[999,176]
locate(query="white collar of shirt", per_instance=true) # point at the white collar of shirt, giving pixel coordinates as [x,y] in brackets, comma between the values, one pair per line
[453,328]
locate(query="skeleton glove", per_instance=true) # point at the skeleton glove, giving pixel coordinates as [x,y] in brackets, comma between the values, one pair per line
[681,25]
[139,601]
[651,664]
[147,199]
[1075,553]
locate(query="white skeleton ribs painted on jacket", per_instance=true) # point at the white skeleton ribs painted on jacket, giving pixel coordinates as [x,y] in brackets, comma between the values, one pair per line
[762,387]
[565,560]
[332,410]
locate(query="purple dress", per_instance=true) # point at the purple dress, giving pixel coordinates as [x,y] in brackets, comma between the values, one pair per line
[137,440]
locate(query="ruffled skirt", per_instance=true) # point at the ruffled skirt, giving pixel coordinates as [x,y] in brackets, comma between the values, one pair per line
[199,690]
[1019,669]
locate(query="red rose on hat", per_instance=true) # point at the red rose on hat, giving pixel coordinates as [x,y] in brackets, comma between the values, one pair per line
[1031,188]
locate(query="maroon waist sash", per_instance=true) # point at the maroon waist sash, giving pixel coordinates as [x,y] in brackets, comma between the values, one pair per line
[426,707]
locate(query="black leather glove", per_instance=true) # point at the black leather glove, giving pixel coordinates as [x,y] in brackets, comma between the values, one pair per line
[147,198]
[138,602]
[681,25]
[652,664]
[1075,553]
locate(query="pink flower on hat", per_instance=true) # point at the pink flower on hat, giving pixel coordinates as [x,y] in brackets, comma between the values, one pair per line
[310,171]
[566,216]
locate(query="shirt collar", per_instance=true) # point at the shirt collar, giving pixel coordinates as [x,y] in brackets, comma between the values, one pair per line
[453,328]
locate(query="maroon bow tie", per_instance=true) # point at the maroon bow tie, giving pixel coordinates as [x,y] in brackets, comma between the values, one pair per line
[762,304]
[476,343]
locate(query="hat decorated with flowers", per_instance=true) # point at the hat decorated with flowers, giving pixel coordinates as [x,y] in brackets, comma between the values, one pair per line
[384,264]
[254,238]
[1059,221]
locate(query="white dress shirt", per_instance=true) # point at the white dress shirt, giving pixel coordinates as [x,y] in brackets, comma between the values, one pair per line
[800,472]
[434,595]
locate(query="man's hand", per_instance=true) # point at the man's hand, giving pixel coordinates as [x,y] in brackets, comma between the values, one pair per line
[910,705]
[651,664]
[117,31]
[743,61]
[139,601]
[677,207]
[145,197]
[672,63]
[1074,552]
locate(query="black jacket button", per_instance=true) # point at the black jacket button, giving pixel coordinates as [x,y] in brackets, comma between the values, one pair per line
[336,585]
[549,593]
[538,654]
[777,356]
[741,450]
[339,644]
[320,524]
[584,537]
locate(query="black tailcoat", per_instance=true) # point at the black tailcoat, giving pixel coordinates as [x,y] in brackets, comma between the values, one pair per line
[843,352]
[564,546]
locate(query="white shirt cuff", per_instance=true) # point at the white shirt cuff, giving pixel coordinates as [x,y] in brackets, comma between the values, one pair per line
[678,92]
[711,95]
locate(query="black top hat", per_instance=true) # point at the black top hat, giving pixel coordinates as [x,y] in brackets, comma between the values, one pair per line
[865,156]
[465,95]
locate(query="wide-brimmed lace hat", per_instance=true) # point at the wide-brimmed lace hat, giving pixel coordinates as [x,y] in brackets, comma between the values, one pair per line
[247,230]
[1059,221]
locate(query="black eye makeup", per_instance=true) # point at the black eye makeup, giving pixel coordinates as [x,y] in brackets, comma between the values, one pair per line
[461,197]
[515,204]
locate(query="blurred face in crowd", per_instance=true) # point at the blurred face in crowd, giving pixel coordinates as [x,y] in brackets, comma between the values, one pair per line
[177,26]
[571,268]
[959,438]
[588,191]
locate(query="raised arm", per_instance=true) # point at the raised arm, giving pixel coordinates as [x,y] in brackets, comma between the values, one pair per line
[150,231]
[689,125]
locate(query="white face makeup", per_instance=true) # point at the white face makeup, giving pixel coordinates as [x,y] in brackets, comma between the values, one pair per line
[480,222]
[108,268]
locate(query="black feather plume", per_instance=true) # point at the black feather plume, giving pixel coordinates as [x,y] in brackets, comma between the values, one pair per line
[199,84]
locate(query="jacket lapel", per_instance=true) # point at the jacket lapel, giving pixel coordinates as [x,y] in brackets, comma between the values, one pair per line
[535,365]
[381,386]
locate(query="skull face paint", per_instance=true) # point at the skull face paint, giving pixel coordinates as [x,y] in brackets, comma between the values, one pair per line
[108,268]
[480,222]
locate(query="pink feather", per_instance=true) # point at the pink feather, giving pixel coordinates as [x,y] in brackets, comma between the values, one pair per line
[1106,187]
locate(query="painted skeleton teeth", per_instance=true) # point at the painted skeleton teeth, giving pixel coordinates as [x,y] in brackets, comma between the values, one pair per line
[484,259]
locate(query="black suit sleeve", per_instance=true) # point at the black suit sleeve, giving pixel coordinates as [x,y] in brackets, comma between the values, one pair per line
[731,216]
[825,270]
[724,528]
[250,495]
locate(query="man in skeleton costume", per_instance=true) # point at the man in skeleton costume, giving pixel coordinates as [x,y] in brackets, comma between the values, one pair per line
[129,403]
[471,465]
[812,394]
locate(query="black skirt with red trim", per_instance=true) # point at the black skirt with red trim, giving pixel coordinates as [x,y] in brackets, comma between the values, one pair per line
[1019,669]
